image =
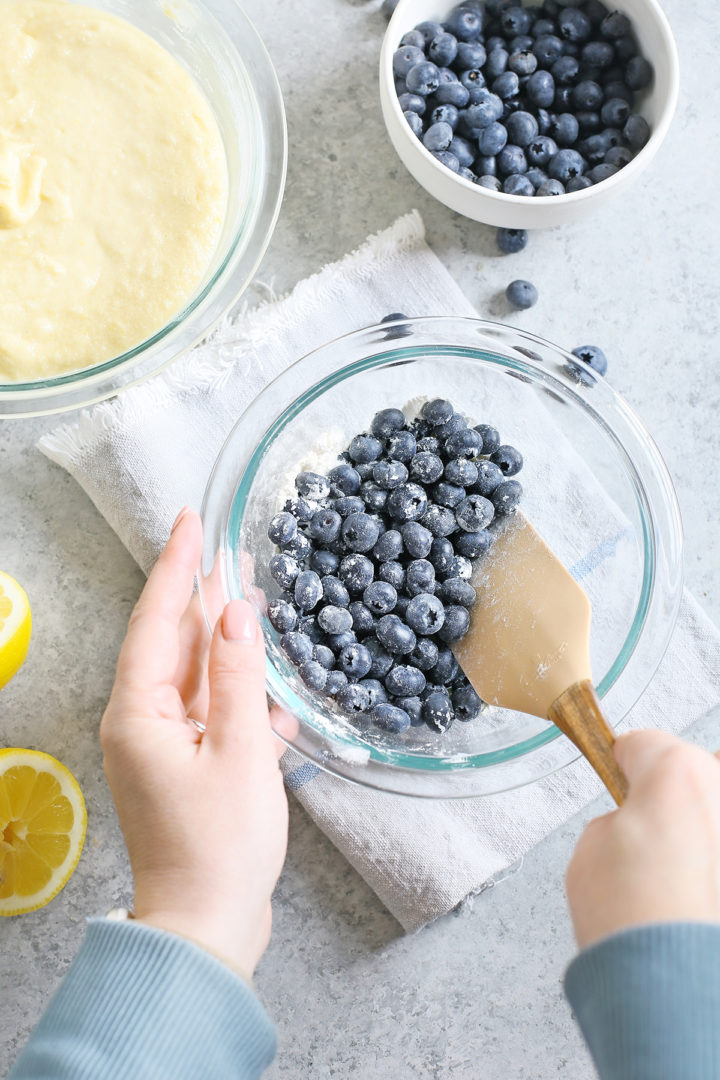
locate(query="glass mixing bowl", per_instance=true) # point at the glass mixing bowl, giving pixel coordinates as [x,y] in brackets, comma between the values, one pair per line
[595,487]
[218,44]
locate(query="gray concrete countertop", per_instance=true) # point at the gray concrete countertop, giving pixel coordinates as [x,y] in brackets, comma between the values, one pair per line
[478,994]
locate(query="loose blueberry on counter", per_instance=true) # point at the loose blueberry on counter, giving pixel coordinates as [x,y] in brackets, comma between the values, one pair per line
[521,294]
[593,356]
[282,615]
[510,241]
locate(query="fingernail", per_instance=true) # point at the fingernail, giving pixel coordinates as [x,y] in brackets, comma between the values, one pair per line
[239,622]
[179,518]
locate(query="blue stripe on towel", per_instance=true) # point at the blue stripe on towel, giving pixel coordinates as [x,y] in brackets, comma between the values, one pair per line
[598,555]
[301,776]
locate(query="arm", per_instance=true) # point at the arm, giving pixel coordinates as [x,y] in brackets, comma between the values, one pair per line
[140,1002]
[644,891]
[205,822]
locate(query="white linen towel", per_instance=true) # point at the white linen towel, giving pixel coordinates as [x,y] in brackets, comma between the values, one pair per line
[144,455]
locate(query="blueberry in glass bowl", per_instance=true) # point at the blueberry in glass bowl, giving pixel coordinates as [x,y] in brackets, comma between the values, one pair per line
[550,123]
[593,484]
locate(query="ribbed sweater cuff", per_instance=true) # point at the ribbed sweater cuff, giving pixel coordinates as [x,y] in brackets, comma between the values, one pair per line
[138,1002]
[648,1002]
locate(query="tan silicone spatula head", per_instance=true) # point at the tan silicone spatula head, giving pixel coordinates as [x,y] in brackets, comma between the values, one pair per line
[529,636]
[528,645]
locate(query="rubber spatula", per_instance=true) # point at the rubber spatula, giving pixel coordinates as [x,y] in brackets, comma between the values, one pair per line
[528,644]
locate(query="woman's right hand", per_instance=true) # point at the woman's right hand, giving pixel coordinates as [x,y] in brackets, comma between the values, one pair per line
[657,858]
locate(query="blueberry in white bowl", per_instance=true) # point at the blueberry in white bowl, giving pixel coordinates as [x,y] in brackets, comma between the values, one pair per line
[539,114]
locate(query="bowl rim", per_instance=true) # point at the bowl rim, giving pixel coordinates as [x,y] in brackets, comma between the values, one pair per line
[417,763]
[85,386]
[500,198]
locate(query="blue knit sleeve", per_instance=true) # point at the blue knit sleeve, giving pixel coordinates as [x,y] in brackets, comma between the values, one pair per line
[138,1002]
[648,1002]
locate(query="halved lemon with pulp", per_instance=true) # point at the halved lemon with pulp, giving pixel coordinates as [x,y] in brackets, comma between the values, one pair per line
[15,626]
[42,829]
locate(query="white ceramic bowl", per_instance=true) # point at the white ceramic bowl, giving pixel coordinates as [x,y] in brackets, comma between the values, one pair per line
[518,211]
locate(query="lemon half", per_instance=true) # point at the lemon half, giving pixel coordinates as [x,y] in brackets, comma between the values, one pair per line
[42,829]
[15,627]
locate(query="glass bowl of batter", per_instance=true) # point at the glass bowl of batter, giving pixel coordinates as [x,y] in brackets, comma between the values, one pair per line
[207,79]
[595,487]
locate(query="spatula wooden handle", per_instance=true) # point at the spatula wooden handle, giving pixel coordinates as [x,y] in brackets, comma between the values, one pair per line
[578,714]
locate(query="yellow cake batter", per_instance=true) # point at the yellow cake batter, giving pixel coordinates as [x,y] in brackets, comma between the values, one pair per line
[113,187]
